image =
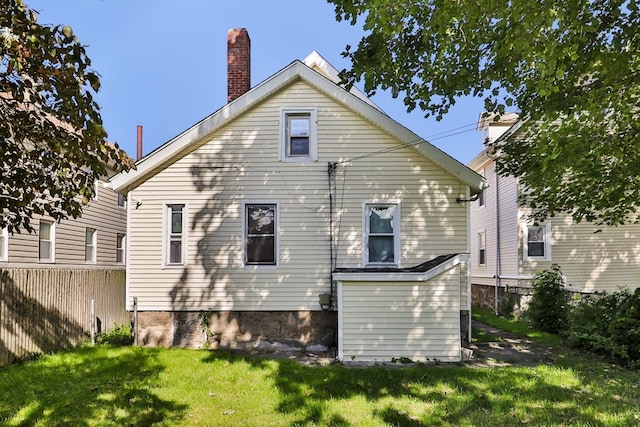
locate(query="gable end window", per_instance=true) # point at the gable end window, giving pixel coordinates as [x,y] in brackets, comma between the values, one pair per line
[175,234]
[261,234]
[536,242]
[298,135]
[382,234]
[46,241]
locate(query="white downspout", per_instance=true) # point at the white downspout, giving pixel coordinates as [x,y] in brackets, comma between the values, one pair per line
[497,239]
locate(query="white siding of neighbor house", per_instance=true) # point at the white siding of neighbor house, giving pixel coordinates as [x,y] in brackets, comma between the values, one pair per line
[484,218]
[102,214]
[238,164]
[380,321]
[592,258]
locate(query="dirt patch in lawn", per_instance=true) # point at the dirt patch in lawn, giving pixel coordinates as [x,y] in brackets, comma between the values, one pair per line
[507,350]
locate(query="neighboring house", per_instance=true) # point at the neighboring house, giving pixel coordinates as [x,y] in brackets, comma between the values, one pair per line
[300,213]
[65,281]
[96,240]
[508,249]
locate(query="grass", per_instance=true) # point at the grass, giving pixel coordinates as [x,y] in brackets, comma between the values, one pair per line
[112,386]
[517,327]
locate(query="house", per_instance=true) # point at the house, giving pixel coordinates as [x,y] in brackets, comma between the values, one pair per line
[296,213]
[508,249]
[65,281]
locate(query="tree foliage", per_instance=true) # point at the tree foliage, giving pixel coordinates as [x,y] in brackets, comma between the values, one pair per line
[52,142]
[571,67]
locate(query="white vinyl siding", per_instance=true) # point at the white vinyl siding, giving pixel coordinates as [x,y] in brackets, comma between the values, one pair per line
[380,321]
[239,164]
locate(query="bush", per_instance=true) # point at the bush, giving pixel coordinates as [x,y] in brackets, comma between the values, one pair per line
[609,324]
[549,306]
[120,335]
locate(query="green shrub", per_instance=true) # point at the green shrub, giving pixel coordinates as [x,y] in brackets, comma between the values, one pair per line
[608,324]
[120,335]
[549,306]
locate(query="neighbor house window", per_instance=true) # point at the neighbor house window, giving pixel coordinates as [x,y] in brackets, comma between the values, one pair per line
[382,234]
[482,240]
[176,235]
[122,199]
[4,244]
[481,198]
[90,245]
[299,139]
[120,248]
[261,222]
[536,243]
[46,241]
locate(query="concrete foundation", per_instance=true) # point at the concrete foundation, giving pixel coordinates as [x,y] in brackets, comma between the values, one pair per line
[246,330]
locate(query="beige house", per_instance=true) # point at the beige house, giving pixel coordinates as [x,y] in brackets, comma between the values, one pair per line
[300,213]
[507,249]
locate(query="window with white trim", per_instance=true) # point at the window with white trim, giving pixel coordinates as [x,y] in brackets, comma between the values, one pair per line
[46,241]
[298,135]
[176,235]
[382,234]
[90,245]
[536,242]
[482,253]
[4,244]
[120,241]
[261,234]
[122,200]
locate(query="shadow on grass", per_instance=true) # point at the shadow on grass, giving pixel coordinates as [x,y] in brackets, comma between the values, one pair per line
[103,385]
[442,395]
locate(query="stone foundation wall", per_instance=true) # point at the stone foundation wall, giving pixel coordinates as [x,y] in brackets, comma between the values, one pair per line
[192,329]
[510,301]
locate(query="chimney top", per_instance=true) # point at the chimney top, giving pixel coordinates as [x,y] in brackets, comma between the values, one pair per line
[238,63]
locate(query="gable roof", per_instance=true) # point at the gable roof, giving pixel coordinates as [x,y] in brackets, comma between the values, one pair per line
[188,140]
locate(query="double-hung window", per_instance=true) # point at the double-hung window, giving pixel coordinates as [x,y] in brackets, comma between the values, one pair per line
[46,241]
[536,244]
[299,135]
[382,234]
[176,235]
[482,241]
[261,231]
[120,248]
[90,245]
[4,244]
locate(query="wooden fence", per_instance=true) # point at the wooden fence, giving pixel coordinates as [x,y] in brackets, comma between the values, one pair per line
[46,310]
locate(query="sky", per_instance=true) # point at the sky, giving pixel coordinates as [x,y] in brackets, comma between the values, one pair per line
[163,65]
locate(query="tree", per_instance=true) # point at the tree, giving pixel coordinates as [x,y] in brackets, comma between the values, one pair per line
[572,67]
[52,142]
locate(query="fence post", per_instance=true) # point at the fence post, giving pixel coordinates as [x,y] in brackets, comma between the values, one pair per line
[135,321]
[93,322]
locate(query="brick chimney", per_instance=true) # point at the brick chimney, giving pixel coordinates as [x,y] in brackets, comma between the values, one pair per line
[238,63]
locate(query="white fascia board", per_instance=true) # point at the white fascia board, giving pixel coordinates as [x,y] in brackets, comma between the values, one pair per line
[402,277]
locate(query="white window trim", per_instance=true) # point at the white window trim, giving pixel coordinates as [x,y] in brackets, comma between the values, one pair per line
[313,135]
[547,242]
[4,232]
[482,233]
[124,203]
[123,248]
[397,233]
[52,259]
[482,196]
[276,234]
[166,233]
[93,244]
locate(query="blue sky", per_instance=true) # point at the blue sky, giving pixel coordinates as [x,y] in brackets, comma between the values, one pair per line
[163,62]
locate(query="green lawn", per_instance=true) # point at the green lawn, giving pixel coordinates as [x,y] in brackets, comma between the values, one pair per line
[114,386]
